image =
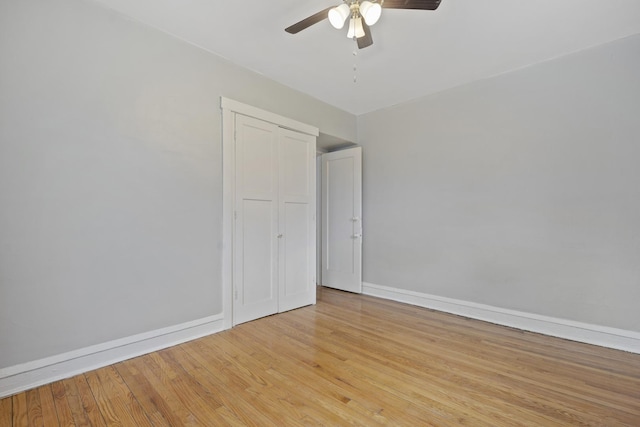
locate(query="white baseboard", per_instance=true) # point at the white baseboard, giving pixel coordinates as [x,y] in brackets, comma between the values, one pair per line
[619,339]
[15,379]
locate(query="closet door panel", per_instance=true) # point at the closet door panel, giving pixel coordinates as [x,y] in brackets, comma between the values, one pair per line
[255,272]
[257,155]
[258,256]
[295,168]
[295,266]
[297,220]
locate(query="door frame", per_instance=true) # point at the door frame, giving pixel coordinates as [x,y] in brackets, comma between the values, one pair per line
[230,108]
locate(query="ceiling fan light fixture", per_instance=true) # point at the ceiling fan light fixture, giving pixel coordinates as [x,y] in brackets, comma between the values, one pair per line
[370,12]
[359,28]
[356,30]
[338,15]
[352,28]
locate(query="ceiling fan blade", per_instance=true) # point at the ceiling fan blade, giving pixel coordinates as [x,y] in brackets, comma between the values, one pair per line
[309,21]
[411,4]
[366,40]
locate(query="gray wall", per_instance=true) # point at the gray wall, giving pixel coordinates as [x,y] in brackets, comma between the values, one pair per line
[521,191]
[110,175]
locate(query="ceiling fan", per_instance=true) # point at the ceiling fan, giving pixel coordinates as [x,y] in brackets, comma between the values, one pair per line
[361,14]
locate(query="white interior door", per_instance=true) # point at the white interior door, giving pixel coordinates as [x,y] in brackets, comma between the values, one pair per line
[255,275]
[297,231]
[342,220]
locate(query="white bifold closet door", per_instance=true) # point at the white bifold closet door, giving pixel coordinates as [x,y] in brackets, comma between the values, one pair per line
[274,220]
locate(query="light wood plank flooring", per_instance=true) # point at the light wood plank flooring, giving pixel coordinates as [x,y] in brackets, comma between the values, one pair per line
[350,360]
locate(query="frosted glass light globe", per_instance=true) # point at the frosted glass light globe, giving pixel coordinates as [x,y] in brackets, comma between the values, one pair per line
[370,12]
[338,15]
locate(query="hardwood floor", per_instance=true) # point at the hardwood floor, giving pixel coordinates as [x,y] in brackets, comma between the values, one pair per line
[350,359]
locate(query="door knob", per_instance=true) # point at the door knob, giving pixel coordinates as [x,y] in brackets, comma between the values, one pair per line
[280,236]
[355,236]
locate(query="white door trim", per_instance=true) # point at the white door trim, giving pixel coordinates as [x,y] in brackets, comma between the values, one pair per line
[229,110]
[267,116]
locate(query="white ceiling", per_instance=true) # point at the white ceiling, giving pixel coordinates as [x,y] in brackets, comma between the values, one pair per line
[414,52]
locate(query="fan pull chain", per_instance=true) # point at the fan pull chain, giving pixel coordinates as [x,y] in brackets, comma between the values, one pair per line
[355,67]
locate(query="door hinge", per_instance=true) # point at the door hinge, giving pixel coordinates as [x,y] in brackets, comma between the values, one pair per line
[235,214]
[235,293]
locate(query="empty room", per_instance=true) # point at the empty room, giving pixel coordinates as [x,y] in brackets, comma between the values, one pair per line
[321,212]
